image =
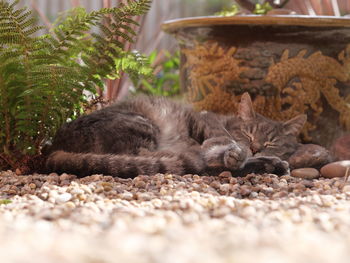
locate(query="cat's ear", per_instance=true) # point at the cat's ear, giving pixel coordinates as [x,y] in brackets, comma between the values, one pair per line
[245,108]
[295,125]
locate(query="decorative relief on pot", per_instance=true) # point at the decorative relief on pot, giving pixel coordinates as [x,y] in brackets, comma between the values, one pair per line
[303,83]
[211,67]
[301,80]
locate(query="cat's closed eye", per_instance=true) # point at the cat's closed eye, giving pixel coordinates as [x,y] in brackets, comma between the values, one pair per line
[270,145]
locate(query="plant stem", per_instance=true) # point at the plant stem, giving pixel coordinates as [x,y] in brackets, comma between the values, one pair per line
[7,161]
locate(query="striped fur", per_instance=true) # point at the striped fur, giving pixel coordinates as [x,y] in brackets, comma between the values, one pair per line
[149,135]
[117,165]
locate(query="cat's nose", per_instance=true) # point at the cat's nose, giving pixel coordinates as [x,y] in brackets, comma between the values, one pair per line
[255,148]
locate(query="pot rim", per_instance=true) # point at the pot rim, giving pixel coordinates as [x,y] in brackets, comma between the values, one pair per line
[285,20]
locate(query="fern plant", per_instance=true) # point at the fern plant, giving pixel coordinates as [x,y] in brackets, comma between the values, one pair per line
[44,79]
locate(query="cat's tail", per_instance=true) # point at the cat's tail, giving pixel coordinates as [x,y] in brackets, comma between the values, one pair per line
[125,166]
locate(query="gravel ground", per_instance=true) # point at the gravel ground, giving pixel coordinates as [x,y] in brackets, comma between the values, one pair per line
[168,218]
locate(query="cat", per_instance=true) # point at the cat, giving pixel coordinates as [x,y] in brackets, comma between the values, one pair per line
[149,135]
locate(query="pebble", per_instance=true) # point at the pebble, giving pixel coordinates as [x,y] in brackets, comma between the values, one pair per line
[70,205]
[225,174]
[234,214]
[306,173]
[335,169]
[107,186]
[82,197]
[143,196]
[77,191]
[140,184]
[64,176]
[32,185]
[245,190]
[126,196]
[62,198]
[215,184]
[224,188]
[346,189]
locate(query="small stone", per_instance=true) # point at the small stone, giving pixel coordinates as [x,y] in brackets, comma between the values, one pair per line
[280,194]
[195,194]
[221,212]
[99,190]
[249,211]
[143,196]
[226,174]
[77,191]
[126,196]
[267,180]
[54,194]
[44,196]
[62,198]
[32,185]
[140,184]
[233,180]
[253,195]
[65,183]
[64,176]
[306,173]
[157,203]
[215,184]
[163,191]
[310,155]
[196,177]
[335,169]
[96,177]
[82,197]
[86,189]
[107,186]
[225,188]
[346,189]
[168,176]
[245,190]
[70,205]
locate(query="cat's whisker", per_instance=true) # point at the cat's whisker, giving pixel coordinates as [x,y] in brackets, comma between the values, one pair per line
[227,131]
[346,177]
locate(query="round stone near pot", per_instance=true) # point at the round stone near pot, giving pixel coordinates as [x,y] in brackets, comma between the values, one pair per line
[306,173]
[335,169]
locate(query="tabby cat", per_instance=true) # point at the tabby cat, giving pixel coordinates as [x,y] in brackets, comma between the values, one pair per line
[149,135]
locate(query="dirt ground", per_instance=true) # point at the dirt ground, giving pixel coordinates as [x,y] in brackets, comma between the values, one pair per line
[169,218]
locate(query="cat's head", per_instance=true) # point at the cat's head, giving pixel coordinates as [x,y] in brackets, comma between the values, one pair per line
[267,137]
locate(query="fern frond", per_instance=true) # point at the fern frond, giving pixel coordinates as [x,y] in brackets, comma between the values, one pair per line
[43,78]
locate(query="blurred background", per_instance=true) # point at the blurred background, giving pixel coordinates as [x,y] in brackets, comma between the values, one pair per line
[150,37]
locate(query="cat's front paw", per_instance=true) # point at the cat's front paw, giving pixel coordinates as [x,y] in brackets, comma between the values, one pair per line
[231,156]
[265,164]
[275,165]
[235,156]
